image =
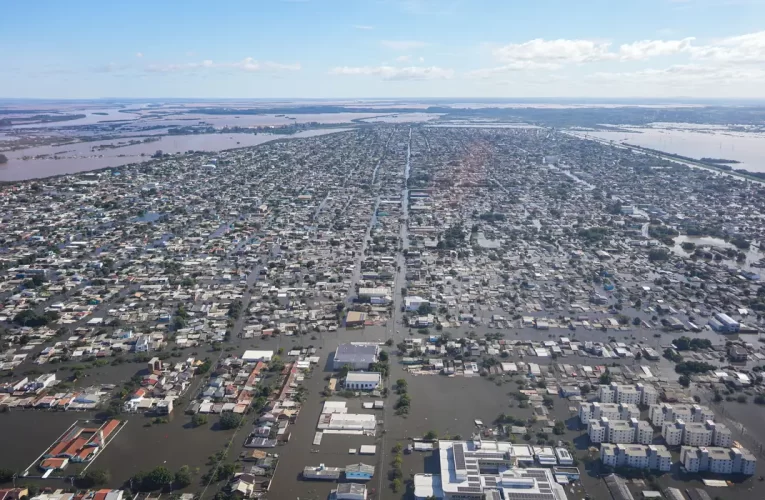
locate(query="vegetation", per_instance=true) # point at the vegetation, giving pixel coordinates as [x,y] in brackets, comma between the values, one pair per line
[230,420]
[689,367]
[430,436]
[199,419]
[3,159]
[6,475]
[658,255]
[33,318]
[156,479]
[688,344]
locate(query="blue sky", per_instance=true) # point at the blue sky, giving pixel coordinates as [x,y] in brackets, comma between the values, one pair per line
[383,48]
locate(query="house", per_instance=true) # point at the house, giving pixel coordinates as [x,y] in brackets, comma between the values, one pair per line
[355,318]
[363,381]
[737,353]
[359,472]
[357,356]
[143,344]
[349,491]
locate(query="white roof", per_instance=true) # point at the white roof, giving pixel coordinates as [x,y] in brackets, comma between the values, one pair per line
[257,355]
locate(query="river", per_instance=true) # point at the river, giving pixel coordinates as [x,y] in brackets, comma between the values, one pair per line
[80,157]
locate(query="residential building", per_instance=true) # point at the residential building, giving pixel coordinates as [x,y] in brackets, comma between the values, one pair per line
[349,491]
[672,432]
[359,472]
[721,435]
[664,412]
[697,434]
[611,411]
[620,431]
[653,457]
[357,356]
[363,381]
[718,460]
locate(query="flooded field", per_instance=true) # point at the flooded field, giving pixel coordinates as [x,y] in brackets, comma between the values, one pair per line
[81,157]
[747,148]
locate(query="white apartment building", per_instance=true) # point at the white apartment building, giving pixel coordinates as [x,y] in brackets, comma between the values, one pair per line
[721,435]
[661,413]
[611,411]
[672,432]
[697,434]
[628,394]
[620,431]
[718,460]
[654,457]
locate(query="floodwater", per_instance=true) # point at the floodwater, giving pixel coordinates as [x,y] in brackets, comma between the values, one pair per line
[80,157]
[91,116]
[747,148]
[753,254]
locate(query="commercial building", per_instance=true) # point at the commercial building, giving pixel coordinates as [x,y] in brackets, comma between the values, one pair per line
[478,470]
[611,411]
[653,457]
[724,323]
[363,381]
[355,318]
[359,472]
[718,460]
[357,356]
[379,295]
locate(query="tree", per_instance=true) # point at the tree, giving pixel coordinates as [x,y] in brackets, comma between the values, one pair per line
[684,380]
[199,420]
[430,436]
[230,420]
[383,356]
[94,477]
[182,477]
[6,475]
[396,485]
[401,385]
[3,159]
[157,479]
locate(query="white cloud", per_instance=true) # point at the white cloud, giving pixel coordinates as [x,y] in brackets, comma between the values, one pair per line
[404,59]
[111,67]
[646,49]
[512,67]
[682,74]
[396,73]
[564,51]
[247,64]
[749,48]
[421,59]
[363,27]
[139,54]
[561,50]
[402,45]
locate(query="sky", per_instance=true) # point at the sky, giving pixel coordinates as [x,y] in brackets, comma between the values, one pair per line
[383,48]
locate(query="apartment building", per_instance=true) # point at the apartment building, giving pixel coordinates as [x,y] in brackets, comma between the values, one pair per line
[697,434]
[628,394]
[721,435]
[659,414]
[611,411]
[672,432]
[653,457]
[718,460]
[620,431]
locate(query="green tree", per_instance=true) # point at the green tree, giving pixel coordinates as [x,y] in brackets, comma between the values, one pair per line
[199,420]
[182,477]
[430,435]
[6,475]
[230,420]
[396,485]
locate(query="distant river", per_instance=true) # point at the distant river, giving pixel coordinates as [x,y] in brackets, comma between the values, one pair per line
[81,157]
[747,148]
